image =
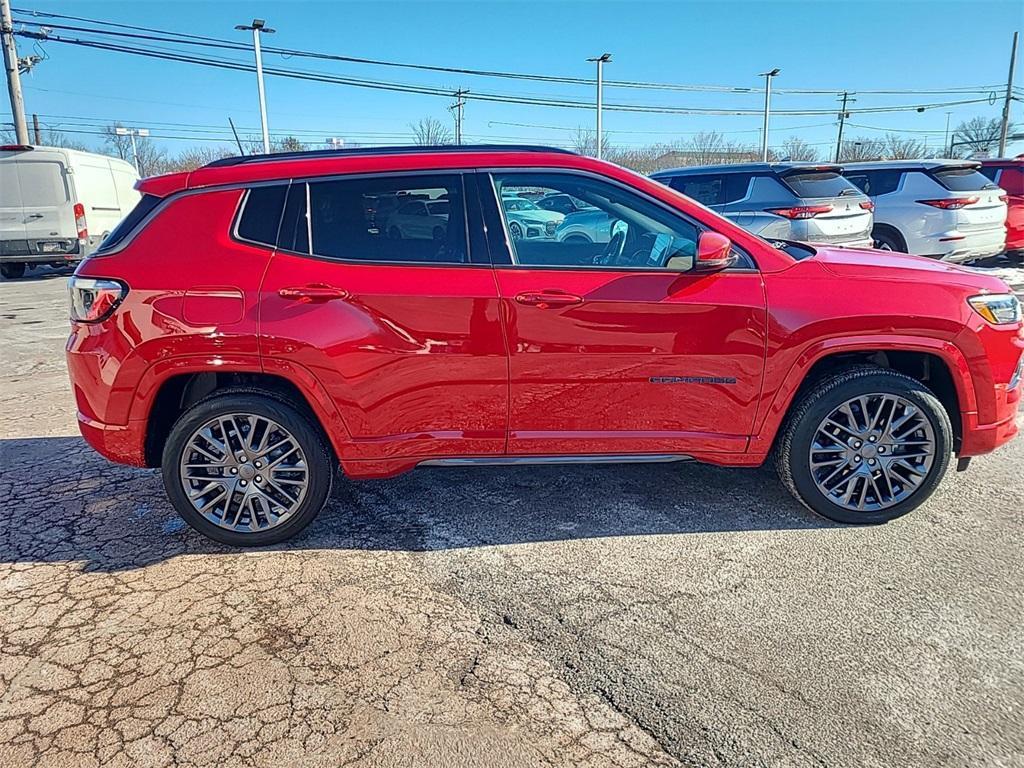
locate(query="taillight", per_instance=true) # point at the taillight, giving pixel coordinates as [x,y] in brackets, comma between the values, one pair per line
[801,211]
[1004,198]
[80,225]
[951,203]
[867,205]
[93,300]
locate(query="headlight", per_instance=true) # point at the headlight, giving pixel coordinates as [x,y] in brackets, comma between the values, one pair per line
[997,308]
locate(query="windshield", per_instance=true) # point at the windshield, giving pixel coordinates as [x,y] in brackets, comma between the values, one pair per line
[962,180]
[819,184]
[519,204]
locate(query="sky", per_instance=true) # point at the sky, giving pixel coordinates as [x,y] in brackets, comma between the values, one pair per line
[829,44]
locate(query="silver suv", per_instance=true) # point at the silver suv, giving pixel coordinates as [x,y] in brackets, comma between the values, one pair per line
[809,202]
[945,209]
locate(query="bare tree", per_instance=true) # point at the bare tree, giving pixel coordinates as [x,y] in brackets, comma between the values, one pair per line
[861,148]
[975,135]
[584,142]
[898,148]
[795,148]
[429,131]
[705,148]
[194,157]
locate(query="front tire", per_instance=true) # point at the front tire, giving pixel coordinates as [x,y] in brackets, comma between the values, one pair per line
[889,240]
[246,469]
[865,445]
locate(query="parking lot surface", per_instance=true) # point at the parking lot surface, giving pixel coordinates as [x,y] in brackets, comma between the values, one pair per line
[600,616]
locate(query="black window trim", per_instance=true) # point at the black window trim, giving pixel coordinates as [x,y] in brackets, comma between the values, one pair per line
[461,173]
[502,237]
[240,211]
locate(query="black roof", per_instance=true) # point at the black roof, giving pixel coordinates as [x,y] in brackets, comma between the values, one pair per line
[370,151]
[785,167]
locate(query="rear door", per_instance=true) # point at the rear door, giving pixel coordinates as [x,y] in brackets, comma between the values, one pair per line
[12,212]
[46,196]
[403,333]
[987,212]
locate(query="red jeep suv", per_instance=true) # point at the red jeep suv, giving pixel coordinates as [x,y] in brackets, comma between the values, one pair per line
[256,322]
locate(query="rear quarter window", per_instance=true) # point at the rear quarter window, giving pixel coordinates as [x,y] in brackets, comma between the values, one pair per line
[818,184]
[706,190]
[962,179]
[124,228]
[261,214]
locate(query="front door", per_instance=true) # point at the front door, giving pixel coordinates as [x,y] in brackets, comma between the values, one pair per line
[401,328]
[611,351]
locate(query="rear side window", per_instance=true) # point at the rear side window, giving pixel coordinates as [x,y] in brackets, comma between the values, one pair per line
[423,222]
[962,179]
[261,214]
[818,184]
[124,228]
[42,184]
[876,182]
[707,190]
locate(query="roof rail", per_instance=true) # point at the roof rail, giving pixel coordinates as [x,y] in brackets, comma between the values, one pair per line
[395,150]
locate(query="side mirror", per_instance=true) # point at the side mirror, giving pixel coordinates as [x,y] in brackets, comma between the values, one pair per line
[714,253]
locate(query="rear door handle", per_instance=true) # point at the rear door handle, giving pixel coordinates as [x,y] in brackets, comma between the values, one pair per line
[35,215]
[548,299]
[316,293]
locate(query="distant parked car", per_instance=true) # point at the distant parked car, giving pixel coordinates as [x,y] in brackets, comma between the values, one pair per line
[945,209]
[526,220]
[781,201]
[1009,175]
[564,204]
[419,220]
[589,225]
[57,205]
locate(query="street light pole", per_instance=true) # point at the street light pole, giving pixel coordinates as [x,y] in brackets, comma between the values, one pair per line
[1006,104]
[601,61]
[767,110]
[132,133]
[257,27]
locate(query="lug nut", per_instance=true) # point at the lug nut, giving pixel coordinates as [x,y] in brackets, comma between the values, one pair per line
[242,458]
[259,479]
[241,482]
[856,458]
[234,470]
[856,443]
[881,449]
[871,462]
[872,438]
[259,464]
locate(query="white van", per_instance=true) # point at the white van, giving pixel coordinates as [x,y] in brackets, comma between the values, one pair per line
[56,205]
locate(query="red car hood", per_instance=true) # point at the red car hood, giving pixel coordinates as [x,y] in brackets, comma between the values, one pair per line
[869,263]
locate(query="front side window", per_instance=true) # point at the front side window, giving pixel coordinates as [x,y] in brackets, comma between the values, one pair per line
[615,229]
[417,218]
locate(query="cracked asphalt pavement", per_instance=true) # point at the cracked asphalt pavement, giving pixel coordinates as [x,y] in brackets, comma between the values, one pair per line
[594,616]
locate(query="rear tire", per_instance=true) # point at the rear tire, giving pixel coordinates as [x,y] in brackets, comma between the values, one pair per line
[284,487]
[888,240]
[12,270]
[892,486]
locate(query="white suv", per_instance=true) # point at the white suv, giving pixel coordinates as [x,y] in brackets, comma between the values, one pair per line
[945,209]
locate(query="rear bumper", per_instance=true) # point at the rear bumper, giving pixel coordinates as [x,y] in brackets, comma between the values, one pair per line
[30,251]
[974,245]
[121,443]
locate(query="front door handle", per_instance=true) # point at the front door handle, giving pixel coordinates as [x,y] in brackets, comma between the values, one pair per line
[317,293]
[548,299]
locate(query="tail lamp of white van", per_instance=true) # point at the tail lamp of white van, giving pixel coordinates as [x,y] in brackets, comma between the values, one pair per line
[94,299]
[80,225]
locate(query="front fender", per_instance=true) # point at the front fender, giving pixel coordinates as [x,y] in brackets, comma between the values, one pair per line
[779,402]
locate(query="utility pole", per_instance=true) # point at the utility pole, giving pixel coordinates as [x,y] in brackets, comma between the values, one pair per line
[843,114]
[601,60]
[946,150]
[767,110]
[257,27]
[457,108]
[35,129]
[1006,104]
[13,76]
[133,132]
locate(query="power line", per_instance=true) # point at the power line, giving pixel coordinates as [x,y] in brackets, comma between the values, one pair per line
[325,77]
[207,41]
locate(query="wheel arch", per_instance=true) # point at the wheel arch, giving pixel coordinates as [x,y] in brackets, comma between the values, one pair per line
[939,365]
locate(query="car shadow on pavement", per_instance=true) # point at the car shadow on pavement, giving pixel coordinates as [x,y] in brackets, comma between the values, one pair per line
[62,502]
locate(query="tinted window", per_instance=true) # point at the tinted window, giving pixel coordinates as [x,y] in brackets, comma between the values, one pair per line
[346,222]
[989,171]
[619,229]
[736,186]
[261,214]
[707,190]
[294,224]
[962,180]
[817,184]
[124,228]
[876,182]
